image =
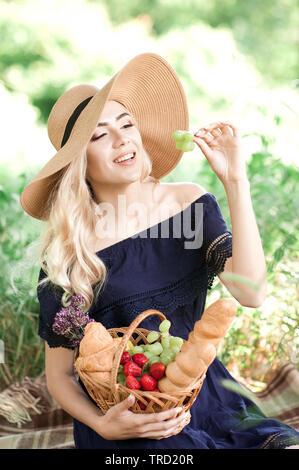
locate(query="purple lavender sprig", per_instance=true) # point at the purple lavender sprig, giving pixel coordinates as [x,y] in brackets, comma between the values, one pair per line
[71,321]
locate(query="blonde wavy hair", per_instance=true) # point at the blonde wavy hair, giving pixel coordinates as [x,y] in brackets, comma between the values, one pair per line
[65,254]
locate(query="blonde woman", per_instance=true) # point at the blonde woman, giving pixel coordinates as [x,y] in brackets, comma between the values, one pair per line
[112,236]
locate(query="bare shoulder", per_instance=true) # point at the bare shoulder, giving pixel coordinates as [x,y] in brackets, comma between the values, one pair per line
[182,193]
[191,191]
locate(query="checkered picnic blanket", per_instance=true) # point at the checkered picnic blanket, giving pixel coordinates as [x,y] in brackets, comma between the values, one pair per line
[31,419]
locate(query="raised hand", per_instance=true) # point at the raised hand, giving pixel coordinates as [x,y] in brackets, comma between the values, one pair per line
[222,145]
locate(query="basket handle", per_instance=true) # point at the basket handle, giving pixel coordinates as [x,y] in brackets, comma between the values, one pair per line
[124,341]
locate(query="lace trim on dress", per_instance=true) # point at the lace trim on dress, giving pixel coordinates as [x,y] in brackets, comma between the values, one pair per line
[217,253]
[53,340]
[168,298]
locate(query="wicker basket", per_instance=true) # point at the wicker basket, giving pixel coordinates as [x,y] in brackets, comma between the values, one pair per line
[107,395]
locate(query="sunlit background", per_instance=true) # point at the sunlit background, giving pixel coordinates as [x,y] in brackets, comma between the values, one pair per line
[237,61]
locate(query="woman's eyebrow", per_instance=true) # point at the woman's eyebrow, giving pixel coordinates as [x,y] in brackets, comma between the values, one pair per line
[116,119]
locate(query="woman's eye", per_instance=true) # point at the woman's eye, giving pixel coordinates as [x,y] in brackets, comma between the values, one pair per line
[96,138]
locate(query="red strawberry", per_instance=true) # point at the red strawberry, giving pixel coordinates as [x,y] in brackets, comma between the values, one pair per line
[140,359]
[148,382]
[157,370]
[156,390]
[130,368]
[132,382]
[141,404]
[125,357]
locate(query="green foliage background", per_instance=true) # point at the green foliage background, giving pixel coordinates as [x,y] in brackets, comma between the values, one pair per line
[237,60]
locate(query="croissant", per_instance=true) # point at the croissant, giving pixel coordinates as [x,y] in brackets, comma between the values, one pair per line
[96,352]
[200,350]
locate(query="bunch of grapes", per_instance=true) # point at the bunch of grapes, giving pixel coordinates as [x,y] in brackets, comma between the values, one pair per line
[184,140]
[166,350]
[142,366]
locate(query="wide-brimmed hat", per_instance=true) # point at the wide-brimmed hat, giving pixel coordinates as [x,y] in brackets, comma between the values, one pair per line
[148,87]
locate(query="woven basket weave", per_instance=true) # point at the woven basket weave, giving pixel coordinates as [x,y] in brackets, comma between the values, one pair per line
[107,395]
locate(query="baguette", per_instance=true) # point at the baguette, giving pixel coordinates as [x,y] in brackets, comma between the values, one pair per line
[200,350]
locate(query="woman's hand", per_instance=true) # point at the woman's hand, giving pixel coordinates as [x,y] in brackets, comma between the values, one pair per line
[120,423]
[222,146]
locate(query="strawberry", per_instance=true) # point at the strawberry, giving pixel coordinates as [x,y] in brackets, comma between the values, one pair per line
[157,370]
[141,404]
[132,382]
[148,382]
[156,390]
[130,368]
[125,357]
[140,359]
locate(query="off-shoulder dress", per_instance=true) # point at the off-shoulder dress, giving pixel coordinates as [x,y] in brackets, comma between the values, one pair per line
[170,267]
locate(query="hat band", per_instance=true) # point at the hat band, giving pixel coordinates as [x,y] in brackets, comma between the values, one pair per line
[71,122]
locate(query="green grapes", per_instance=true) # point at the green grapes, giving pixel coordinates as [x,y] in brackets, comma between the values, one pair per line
[175,349]
[184,140]
[152,336]
[164,326]
[155,348]
[154,359]
[179,135]
[148,354]
[176,341]
[166,358]
[137,350]
[165,342]
[169,352]
[156,351]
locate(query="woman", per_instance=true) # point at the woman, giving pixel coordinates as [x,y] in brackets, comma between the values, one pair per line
[122,263]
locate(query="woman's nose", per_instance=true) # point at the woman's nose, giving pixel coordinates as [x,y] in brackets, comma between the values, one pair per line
[120,139]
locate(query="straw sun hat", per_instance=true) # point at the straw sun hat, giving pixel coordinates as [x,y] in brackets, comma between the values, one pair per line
[148,87]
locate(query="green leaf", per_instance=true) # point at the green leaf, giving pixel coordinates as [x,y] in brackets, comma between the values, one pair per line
[241,279]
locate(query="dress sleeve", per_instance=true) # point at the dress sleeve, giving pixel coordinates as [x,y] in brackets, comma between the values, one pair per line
[49,297]
[217,239]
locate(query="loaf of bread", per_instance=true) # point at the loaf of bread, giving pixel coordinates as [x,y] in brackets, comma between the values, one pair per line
[96,352]
[200,350]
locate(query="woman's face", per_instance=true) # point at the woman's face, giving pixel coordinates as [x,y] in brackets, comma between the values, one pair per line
[118,135]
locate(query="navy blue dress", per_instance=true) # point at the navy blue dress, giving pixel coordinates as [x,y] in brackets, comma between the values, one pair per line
[170,267]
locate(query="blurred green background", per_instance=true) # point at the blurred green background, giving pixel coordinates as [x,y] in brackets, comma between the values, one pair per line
[237,60]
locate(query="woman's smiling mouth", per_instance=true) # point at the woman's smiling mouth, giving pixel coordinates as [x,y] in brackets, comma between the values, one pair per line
[126,160]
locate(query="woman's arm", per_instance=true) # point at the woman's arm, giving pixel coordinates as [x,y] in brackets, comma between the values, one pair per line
[247,252]
[224,149]
[63,386]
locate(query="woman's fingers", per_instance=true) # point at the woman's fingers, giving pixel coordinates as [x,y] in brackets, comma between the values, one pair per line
[217,128]
[165,427]
[162,416]
[176,429]
[203,145]
[226,130]
[235,129]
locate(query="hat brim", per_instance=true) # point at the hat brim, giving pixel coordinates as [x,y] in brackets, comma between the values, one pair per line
[151,91]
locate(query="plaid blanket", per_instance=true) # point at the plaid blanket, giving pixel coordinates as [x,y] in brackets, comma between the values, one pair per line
[281,396]
[31,419]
